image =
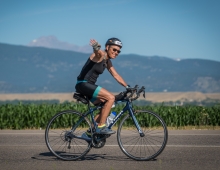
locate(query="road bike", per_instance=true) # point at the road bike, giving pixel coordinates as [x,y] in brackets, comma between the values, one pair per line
[141,134]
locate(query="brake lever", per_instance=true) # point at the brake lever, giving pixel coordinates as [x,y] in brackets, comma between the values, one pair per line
[142,90]
[136,87]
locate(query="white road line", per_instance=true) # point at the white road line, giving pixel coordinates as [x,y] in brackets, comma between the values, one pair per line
[194,146]
[176,146]
[128,134]
[193,134]
[22,133]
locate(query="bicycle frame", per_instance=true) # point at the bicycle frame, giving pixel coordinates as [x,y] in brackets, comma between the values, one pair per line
[75,142]
[128,107]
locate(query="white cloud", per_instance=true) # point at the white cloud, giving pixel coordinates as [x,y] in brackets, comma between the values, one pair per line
[53,42]
[107,82]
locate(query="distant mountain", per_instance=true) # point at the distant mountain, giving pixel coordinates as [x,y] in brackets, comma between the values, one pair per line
[54,43]
[37,69]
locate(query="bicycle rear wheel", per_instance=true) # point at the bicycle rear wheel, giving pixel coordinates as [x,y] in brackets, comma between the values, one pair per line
[148,146]
[62,140]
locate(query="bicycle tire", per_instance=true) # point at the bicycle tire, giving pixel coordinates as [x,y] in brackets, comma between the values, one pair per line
[59,138]
[151,144]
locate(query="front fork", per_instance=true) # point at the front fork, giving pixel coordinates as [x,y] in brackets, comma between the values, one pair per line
[131,113]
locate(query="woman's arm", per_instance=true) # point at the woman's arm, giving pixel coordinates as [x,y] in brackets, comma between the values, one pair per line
[114,73]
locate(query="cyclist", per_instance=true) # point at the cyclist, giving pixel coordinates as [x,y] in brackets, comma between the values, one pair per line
[95,65]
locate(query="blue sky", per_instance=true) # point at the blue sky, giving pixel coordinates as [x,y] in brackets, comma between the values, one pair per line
[170,28]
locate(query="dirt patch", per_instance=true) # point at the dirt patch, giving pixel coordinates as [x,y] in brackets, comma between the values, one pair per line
[153,97]
[176,96]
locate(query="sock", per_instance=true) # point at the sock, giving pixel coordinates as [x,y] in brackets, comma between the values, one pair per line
[101,126]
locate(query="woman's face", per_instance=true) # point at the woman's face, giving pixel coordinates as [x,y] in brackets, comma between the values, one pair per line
[113,51]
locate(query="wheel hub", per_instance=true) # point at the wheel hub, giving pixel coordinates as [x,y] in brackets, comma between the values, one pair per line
[66,136]
[142,134]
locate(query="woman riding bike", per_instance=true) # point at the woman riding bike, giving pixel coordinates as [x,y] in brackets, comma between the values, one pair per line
[95,65]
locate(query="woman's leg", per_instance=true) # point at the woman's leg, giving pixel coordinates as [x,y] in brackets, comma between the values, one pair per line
[103,96]
[98,94]
[97,117]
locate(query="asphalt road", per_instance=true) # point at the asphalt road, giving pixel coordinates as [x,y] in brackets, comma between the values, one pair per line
[186,149]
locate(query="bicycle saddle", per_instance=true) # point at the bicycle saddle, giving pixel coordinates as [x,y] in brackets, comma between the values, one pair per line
[81,98]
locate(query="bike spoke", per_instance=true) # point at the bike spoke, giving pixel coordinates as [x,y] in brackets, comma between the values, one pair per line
[61,142]
[148,146]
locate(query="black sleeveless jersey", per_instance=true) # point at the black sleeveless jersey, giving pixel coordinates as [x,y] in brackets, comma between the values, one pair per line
[91,71]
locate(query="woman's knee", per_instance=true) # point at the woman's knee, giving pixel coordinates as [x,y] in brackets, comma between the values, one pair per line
[111,98]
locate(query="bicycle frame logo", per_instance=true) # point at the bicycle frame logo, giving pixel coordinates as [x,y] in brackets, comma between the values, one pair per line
[128,107]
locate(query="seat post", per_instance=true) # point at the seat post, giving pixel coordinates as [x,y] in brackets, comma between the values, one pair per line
[88,103]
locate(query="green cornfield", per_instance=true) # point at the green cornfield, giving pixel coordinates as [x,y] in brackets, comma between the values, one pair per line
[35,116]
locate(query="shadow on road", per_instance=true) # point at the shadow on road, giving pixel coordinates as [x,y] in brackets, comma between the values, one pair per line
[45,156]
[90,157]
[106,157]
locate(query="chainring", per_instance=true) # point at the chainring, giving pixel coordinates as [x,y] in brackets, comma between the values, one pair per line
[96,142]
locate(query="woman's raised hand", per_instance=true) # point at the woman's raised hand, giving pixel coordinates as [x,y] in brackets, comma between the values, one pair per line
[93,42]
[96,46]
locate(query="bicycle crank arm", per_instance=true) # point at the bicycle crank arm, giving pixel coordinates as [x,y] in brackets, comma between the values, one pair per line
[98,140]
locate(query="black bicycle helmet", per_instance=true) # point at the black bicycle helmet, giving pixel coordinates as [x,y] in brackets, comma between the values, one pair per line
[114,41]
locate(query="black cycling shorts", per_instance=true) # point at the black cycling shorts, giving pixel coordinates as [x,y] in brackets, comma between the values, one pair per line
[88,89]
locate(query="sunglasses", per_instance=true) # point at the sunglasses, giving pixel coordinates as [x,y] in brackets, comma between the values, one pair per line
[114,49]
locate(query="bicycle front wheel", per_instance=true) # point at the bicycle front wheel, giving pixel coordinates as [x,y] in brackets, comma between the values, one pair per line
[63,140]
[142,147]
